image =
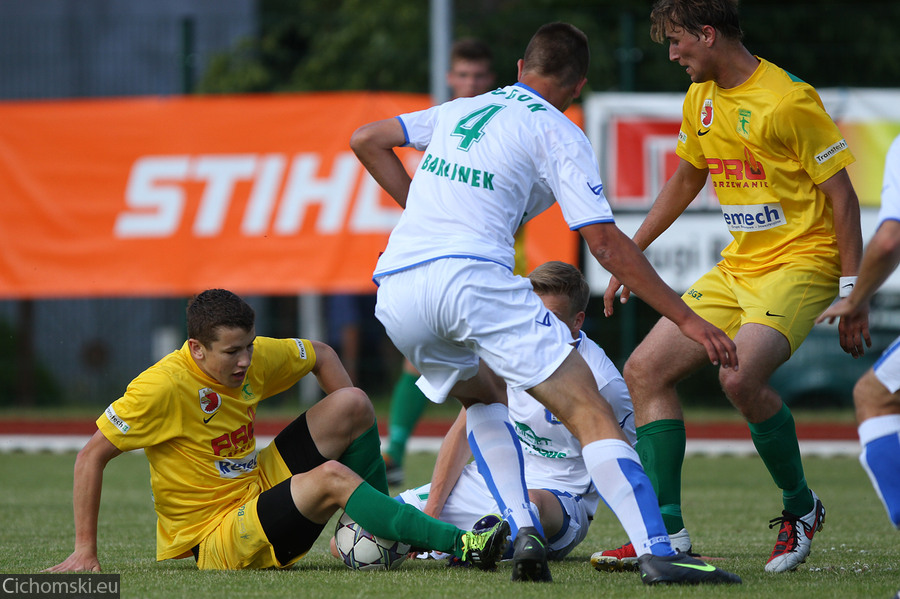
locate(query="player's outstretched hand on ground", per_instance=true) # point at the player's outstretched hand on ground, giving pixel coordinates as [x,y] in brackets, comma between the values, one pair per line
[77,562]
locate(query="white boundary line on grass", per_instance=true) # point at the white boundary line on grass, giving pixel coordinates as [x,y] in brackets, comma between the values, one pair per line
[695,447]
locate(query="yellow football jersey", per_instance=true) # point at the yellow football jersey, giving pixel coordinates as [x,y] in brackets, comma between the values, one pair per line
[767,143]
[198,435]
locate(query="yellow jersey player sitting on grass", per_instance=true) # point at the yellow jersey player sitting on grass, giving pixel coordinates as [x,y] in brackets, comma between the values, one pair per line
[220,500]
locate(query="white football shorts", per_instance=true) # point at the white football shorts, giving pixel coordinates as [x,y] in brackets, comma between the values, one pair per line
[471,500]
[887,367]
[445,314]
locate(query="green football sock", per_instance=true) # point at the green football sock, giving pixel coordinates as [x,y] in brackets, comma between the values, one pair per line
[363,456]
[407,405]
[386,517]
[660,445]
[776,442]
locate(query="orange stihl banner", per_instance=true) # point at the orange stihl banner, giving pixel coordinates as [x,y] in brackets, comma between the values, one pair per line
[169,196]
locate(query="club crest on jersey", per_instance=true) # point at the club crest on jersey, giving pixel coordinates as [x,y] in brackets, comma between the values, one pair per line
[743,124]
[209,400]
[706,114]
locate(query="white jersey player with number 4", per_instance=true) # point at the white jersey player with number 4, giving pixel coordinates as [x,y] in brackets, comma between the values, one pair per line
[466,179]
[451,304]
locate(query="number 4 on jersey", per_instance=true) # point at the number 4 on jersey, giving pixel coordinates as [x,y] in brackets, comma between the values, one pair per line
[471,127]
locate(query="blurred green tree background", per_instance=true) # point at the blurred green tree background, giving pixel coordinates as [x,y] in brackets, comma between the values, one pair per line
[357,44]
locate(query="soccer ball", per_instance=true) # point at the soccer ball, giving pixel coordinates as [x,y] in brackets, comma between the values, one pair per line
[361,550]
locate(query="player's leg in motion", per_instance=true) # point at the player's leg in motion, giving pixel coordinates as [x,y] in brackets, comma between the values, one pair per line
[612,462]
[571,394]
[662,359]
[762,350]
[498,455]
[493,441]
[878,411]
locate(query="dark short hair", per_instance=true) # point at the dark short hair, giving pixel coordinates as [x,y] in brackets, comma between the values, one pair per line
[692,15]
[471,49]
[216,308]
[559,51]
[560,278]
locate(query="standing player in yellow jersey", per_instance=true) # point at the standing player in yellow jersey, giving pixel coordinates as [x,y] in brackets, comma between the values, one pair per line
[220,500]
[777,163]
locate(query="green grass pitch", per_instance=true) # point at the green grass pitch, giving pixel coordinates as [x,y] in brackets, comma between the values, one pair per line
[728,503]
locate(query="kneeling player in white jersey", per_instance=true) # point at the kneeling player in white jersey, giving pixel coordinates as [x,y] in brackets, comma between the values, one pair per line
[559,485]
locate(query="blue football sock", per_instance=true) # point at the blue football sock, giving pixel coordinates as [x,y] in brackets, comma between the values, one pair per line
[880,438]
[499,457]
[626,489]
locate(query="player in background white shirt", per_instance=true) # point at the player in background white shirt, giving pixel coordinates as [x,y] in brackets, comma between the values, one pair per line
[450,302]
[559,485]
[876,393]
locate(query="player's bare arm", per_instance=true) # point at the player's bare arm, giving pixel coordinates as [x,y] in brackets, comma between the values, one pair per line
[675,196]
[329,370]
[88,481]
[451,459]
[881,258]
[621,256]
[374,145]
[853,328]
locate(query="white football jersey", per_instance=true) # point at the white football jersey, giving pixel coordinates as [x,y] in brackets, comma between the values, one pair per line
[491,163]
[890,191]
[552,454]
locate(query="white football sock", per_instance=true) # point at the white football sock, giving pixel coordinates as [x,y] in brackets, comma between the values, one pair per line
[499,457]
[617,473]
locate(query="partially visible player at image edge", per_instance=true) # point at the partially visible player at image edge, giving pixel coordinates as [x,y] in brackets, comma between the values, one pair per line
[877,393]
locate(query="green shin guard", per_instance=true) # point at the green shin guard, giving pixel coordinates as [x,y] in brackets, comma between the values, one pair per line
[661,445]
[386,517]
[363,456]
[776,442]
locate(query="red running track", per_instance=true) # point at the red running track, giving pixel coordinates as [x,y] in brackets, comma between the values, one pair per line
[818,431]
